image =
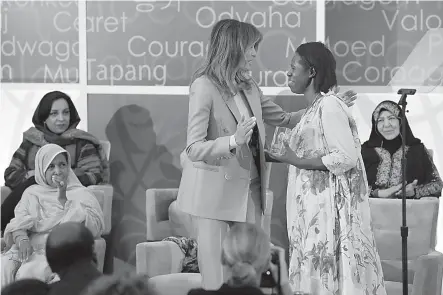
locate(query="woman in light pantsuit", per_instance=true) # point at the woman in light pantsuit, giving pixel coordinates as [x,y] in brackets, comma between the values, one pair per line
[223,180]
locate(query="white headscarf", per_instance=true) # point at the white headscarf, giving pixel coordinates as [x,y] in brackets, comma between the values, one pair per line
[39,209]
[44,157]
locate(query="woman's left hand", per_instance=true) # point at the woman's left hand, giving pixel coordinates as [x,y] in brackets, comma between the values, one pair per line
[410,189]
[288,156]
[348,97]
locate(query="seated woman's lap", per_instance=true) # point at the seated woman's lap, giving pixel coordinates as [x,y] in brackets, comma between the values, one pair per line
[9,269]
[35,268]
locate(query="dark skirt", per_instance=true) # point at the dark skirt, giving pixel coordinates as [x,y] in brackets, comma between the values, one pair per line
[12,200]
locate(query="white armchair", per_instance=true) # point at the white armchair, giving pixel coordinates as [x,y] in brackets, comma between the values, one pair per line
[161,260]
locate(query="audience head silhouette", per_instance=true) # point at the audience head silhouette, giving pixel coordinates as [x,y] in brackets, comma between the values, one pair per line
[128,284]
[69,243]
[246,254]
[26,287]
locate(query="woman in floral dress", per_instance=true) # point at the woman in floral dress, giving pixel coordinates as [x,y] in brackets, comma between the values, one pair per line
[332,247]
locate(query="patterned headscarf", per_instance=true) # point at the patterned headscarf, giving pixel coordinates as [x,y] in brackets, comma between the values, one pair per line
[376,139]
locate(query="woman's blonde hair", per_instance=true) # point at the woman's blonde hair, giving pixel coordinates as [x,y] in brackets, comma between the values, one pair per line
[246,253]
[229,41]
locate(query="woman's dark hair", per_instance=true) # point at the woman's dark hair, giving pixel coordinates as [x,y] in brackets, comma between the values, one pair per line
[126,284]
[26,287]
[44,109]
[62,252]
[66,155]
[317,56]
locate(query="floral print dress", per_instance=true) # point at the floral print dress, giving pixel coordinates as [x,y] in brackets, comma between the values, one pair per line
[332,249]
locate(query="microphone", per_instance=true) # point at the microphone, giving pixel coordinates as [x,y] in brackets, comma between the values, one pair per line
[407,91]
[404,93]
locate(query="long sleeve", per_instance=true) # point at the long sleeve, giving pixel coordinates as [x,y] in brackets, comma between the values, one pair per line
[433,184]
[274,115]
[199,148]
[338,135]
[15,174]
[85,209]
[23,220]
[89,166]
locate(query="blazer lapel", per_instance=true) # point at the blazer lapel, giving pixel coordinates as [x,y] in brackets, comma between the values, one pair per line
[255,106]
[232,106]
[252,103]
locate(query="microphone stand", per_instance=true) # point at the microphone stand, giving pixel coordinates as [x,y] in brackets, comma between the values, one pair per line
[404,229]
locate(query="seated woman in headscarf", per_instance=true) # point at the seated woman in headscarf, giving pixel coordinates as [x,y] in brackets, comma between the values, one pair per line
[57,197]
[382,155]
[55,121]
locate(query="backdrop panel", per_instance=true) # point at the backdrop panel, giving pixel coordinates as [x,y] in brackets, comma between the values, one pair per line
[163,42]
[372,40]
[39,41]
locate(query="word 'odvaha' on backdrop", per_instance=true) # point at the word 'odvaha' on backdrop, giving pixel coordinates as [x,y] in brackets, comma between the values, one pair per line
[143,43]
[163,43]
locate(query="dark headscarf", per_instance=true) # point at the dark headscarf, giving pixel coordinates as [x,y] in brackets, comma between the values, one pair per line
[44,109]
[418,163]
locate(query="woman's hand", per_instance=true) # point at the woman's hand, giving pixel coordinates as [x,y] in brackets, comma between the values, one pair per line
[410,189]
[60,182]
[389,192]
[244,130]
[348,97]
[61,185]
[288,156]
[283,273]
[24,249]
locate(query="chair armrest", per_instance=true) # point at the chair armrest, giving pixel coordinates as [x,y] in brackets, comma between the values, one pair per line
[158,258]
[104,194]
[428,274]
[157,216]
[5,191]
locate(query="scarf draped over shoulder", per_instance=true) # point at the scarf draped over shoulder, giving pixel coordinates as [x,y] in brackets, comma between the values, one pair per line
[40,135]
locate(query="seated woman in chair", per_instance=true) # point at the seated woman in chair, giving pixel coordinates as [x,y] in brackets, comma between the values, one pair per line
[55,121]
[382,155]
[57,197]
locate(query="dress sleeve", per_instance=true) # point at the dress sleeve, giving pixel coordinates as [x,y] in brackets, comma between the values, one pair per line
[433,184]
[23,219]
[342,154]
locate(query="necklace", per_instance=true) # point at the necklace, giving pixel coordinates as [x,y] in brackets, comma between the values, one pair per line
[317,97]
